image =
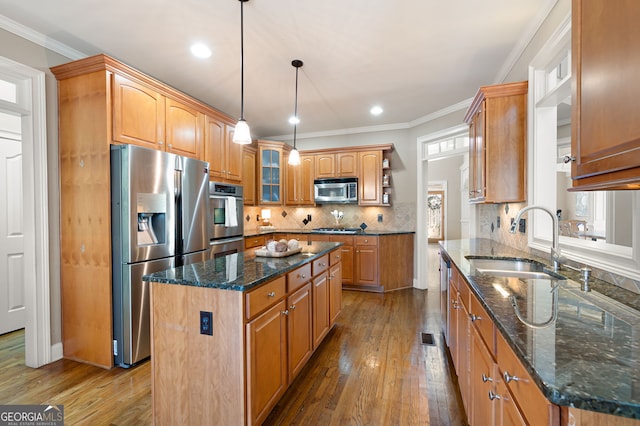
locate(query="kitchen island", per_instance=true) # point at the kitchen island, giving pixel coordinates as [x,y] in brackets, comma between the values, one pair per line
[230,334]
[584,365]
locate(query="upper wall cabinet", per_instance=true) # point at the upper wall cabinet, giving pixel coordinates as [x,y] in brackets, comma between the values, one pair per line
[299,189]
[144,117]
[370,178]
[336,164]
[224,156]
[605,140]
[271,172]
[497,143]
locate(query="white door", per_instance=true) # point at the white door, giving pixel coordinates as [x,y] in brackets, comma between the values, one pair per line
[12,304]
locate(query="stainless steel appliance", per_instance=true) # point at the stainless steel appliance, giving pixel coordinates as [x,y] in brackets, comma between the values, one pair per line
[338,190]
[159,221]
[226,221]
[225,211]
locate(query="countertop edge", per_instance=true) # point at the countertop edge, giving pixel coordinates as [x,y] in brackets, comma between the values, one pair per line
[302,258]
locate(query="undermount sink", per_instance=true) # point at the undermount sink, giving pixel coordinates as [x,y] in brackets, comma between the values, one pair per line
[511,267]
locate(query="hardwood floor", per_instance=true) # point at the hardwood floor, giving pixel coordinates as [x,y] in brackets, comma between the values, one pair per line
[372,369]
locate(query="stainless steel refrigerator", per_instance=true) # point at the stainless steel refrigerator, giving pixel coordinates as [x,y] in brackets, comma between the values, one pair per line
[159,208]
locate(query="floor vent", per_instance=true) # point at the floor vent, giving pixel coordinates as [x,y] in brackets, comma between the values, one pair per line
[427,339]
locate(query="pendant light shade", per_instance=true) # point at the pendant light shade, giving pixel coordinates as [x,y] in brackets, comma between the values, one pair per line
[242,134]
[294,155]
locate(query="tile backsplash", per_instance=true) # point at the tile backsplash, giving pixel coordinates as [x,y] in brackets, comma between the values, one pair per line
[399,217]
[488,214]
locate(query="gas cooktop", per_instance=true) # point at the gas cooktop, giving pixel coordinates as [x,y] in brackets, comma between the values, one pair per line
[339,230]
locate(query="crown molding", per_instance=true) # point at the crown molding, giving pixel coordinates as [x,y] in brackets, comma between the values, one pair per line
[526,38]
[40,39]
[382,128]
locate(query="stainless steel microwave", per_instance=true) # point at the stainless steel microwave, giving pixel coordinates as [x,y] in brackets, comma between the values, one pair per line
[336,190]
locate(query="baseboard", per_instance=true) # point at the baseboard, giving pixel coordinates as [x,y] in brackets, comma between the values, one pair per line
[56,352]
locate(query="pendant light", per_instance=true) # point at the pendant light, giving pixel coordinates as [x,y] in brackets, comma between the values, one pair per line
[242,134]
[294,155]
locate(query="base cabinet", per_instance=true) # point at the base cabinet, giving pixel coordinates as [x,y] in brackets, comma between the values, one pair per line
[266,361]
[366,261]
[495,387]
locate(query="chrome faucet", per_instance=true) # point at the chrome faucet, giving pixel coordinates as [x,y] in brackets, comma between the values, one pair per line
[555,247]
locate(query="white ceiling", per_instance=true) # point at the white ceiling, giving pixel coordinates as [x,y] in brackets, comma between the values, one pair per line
[412,57]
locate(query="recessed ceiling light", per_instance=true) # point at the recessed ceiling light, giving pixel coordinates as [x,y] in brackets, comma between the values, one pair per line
[199,50]
[294,120]
[376,110]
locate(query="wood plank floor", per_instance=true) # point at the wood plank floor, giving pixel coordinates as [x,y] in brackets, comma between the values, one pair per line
[372,369]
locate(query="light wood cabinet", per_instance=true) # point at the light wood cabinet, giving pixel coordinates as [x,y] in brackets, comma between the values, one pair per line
[335,287]
[497,143]
[270,173]
[144,117]
[325,165]
[249,175]
[370,178]
[255,241]
[347,259]
[605,139]
[336,164]
[481,383]
[224,157]
[299,323]
[346,164]
[299,188]
[321,321]
[102,101]
[266,361]
[366,261]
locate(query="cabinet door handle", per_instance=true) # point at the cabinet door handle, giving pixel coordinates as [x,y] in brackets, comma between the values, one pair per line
[474,317]
[292,307]
[455,304]
[493,396]
[486,378]
[170,145]
[160,143]
[285,312]
[508,378]
[271,294]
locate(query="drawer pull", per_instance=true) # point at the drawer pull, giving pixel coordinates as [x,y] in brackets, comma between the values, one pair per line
[474,317]
[493,396]
[285,312]
[338,257]
[292,307]
[322,264]
[271,294]
[486,379]
[508,378]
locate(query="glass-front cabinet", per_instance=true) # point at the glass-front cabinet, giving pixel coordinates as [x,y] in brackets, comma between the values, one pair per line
[271,172]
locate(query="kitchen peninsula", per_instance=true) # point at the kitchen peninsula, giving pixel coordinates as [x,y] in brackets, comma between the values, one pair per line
[230,334]
[580,367]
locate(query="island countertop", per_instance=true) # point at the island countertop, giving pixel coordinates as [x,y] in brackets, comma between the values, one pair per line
[241,271]
[589,358]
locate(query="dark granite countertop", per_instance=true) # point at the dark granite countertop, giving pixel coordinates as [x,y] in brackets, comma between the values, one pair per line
[241,271]
[589,358]
[314,232]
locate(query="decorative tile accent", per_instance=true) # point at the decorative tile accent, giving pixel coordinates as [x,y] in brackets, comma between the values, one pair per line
[284,214]
[248,218]
[492,229]
[363,226]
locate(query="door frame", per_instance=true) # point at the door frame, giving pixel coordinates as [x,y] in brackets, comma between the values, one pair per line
[35,196]
[421,205]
